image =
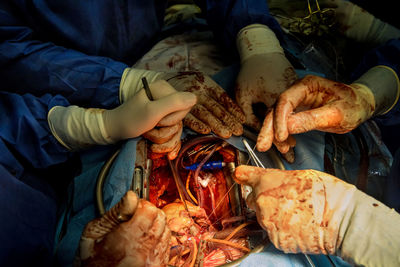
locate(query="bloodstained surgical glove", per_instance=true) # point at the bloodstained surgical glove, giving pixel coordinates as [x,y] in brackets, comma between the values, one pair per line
[77,128]
[215,110]
[264,74]
[132,233]
[313,212]
[316,103]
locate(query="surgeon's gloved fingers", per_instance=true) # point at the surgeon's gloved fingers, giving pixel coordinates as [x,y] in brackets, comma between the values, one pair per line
[251,201]
[159,255]
[248,175]
[222,97]
[174,102]
[160,89]
[287,102]
[266,134]
[245,101]
[201,113]
[169,145]
[163,134]
[173,118]
[159,225]
[120,212]
[125,208]
[139,115]
[196,125]
[289,156]
[285,146]
[220,113]
[142,222]
[175,151]
[326,118]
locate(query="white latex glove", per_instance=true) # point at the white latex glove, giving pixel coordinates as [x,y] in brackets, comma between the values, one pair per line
[214,111]
[264,73]
[76,127]
[132,233]
[313,212]
[165,138]
[316,103]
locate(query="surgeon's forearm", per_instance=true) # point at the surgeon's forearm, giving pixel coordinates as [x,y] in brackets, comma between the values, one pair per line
[370,233]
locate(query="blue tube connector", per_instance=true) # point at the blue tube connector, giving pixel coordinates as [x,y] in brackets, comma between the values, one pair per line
[207,166]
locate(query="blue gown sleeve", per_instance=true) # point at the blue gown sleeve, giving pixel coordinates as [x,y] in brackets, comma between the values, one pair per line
[39,67]
[26,133]
[388,55]
[228,17]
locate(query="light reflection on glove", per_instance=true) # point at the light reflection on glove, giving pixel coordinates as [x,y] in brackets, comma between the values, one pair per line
[132,233]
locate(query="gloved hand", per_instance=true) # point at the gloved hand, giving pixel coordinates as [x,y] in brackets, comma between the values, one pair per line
[76,127]
[358,24]
[351,20]
[315,103]
[264,74]
[313,212]
[132,233]
[214,111]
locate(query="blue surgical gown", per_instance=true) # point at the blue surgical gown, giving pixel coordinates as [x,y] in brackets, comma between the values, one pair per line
[62,53]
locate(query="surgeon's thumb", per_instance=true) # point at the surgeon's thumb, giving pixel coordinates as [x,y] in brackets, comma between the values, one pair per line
[125,208]
[119,213]
[248,175]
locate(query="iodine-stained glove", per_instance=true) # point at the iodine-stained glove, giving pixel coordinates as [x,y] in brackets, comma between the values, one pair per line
[313,212]
[316,103]
[132,233]
[215,111]
[77,128]
[264,74]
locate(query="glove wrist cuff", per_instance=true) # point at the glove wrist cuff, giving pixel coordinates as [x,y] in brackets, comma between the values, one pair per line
[383,82]
[76,128]
[256,39]
[367,233]
[131,82]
